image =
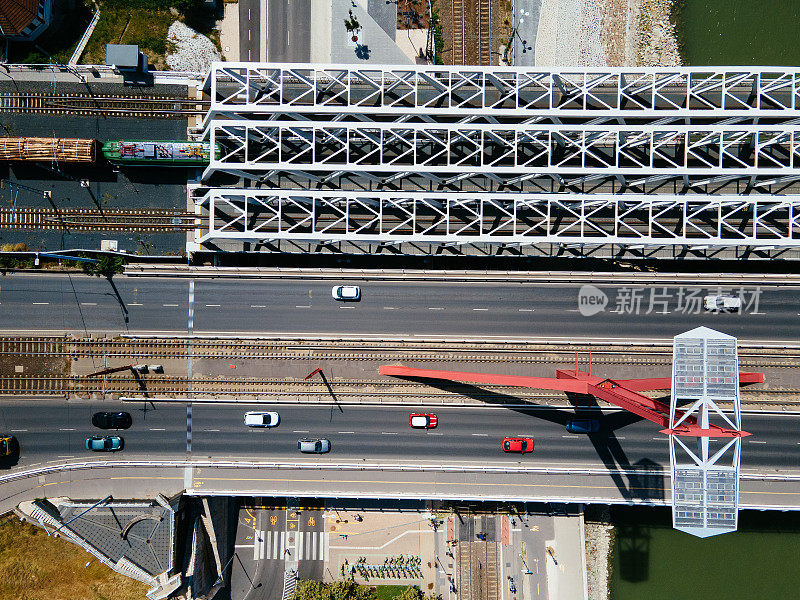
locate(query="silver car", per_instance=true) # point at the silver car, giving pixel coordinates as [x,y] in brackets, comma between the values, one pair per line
[314,446]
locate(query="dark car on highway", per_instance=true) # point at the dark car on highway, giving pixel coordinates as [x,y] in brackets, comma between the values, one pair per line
[583,426]
[112,420]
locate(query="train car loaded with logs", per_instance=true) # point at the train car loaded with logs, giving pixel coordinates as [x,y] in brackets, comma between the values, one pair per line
[39,149]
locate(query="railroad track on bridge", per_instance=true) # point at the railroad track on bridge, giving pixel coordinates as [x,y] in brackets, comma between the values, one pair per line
[138,106]
[79,219]
[45,369]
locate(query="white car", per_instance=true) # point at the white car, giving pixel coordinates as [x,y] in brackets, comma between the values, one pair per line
[346,292]
[314,446]
[722,303]
[262,419]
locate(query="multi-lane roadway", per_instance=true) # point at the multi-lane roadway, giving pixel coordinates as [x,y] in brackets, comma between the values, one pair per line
[54,431]
[79,304]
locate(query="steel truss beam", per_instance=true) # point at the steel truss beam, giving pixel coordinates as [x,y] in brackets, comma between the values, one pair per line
[514,92]
[499,218]
[508,150]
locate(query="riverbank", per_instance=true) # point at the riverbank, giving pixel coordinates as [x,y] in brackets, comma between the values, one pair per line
[599,541]
[597,33]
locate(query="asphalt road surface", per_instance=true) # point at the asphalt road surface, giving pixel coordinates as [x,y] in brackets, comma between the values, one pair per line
[288,30]
[54,431]
[56,303]
[249,30]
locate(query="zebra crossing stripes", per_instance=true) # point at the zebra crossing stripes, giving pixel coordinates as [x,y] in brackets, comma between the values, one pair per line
[271,545]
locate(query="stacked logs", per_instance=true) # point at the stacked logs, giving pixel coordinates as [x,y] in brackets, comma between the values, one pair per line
[70,150]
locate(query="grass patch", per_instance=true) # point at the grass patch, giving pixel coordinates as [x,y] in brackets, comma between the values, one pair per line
[35,566]
[142,22]
[388,592]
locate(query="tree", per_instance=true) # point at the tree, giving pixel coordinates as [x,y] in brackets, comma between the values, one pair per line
[412,592]
[352,25]
[338,590]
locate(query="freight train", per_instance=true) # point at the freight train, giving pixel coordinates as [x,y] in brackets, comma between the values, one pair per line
[122,152]
[141,152]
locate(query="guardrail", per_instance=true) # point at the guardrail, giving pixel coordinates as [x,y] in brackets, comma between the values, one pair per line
[73,60]
[440,494]
[391,467]
[722,279]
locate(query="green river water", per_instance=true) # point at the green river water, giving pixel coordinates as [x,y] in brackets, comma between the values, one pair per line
[739,32]
[652,561]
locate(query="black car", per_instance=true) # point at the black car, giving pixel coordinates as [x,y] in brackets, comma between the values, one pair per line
[112,420]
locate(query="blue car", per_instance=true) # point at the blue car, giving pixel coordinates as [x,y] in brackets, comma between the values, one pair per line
[105,443]
[583,426]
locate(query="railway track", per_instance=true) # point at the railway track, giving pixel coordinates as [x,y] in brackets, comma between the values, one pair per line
[48,371]
[112,105]
[478,570]
[77,219]
[367,350]
[485,32]
[458,29]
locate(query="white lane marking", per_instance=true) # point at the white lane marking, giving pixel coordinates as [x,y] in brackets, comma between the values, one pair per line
[88,303]
[302,306]
[67,429]
[388,433]
[258,306]
[243,545]
[435,433]
[300,431]
[525,310]
[135,304]
[389,308]
[481,434]
[570,437]
[435,308]
[612,437]
[481,309]
[66,456]
[213,305]
[572,310]
[658,439]
[170,305]
[158,429]
[343,307]
[346,432]
[40,303]
[757,442]
[16,430]
[209,430]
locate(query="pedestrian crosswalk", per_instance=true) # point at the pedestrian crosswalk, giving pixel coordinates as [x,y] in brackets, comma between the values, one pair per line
[272,545]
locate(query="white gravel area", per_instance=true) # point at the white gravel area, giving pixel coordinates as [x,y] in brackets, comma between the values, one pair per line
[590,52]
[569,34]
[193,51]
[599,539]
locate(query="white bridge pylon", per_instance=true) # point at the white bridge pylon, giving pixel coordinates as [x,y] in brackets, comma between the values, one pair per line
[705,475]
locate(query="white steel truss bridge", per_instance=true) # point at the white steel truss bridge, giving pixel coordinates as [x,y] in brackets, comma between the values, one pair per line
[688,158]
[496,218]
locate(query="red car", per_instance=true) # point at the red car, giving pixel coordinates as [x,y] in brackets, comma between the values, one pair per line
[521,445]
[420,421]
